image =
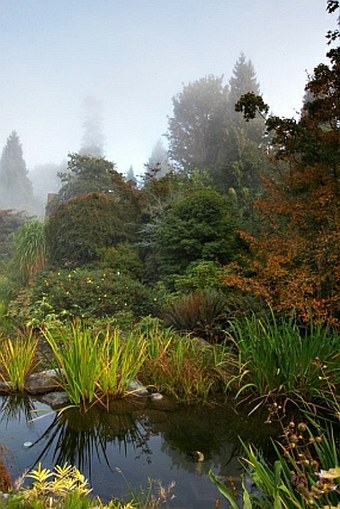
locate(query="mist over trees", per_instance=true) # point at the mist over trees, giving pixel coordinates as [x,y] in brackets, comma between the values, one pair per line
[221,205]
[93,137]
[16,191]
[196,131]
[45,179]
[130,176]
[206,132]
[158,164]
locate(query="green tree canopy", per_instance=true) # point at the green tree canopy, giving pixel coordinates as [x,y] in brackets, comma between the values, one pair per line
[87,174]
[196,129]
[198,226]
[244,163]
[80,227]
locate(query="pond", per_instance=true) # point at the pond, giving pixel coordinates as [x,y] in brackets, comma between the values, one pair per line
[131,442]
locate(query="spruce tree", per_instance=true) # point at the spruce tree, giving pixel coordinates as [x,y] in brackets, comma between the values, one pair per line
[240,173]
[15,187]
[243,80]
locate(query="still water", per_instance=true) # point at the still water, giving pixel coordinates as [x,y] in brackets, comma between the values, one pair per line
[132,442]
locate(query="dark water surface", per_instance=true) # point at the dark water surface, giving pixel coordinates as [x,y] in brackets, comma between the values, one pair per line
[130,444]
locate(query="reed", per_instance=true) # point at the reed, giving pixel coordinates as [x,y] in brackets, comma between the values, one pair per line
[93,365]
[120,360]
[18,359]
[75,354]
[305,474]
[275,360]
[179,366]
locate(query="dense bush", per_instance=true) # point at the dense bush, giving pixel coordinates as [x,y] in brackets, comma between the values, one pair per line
[86,293]
[198,226]
[200,275]
[123,258]
[79,227]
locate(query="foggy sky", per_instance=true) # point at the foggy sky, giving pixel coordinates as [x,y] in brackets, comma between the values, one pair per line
[133,56]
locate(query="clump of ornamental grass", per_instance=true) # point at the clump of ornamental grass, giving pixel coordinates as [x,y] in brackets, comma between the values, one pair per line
[275,360]
[18,359]
[184,367]
[120,361]
[93,366]
[75,356]
[306,473]
[65,487]
[202,312]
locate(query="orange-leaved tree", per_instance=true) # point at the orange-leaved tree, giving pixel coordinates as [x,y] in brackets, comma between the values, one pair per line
[295,258]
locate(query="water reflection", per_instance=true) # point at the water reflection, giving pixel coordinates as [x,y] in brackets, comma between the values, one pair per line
[76,437]
[15,407]
[133,437]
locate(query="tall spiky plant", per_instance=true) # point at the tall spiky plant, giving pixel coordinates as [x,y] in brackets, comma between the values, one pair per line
[29,250]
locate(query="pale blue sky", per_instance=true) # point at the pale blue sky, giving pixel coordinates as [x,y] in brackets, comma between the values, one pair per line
[134,56]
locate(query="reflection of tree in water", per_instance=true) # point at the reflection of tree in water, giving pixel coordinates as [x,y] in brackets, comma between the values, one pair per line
[215,432]
[76,437]
[88,439]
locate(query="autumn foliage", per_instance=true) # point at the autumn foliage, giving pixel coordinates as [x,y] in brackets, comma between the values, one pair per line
[295,259]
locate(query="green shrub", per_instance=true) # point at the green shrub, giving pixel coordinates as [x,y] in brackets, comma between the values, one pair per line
[123,258]
[82,225]
[201,275]
[197,226]
[85,294]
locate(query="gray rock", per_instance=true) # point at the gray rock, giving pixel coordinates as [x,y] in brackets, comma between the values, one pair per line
[137,389]
[43,382]
[55,399]
[162,403]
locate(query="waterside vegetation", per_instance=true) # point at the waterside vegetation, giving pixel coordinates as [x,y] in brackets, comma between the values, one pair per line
[216,281]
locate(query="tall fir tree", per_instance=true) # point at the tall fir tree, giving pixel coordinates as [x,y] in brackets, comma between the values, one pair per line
[244,164]
[243,80]
[15,186]
[130,176]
